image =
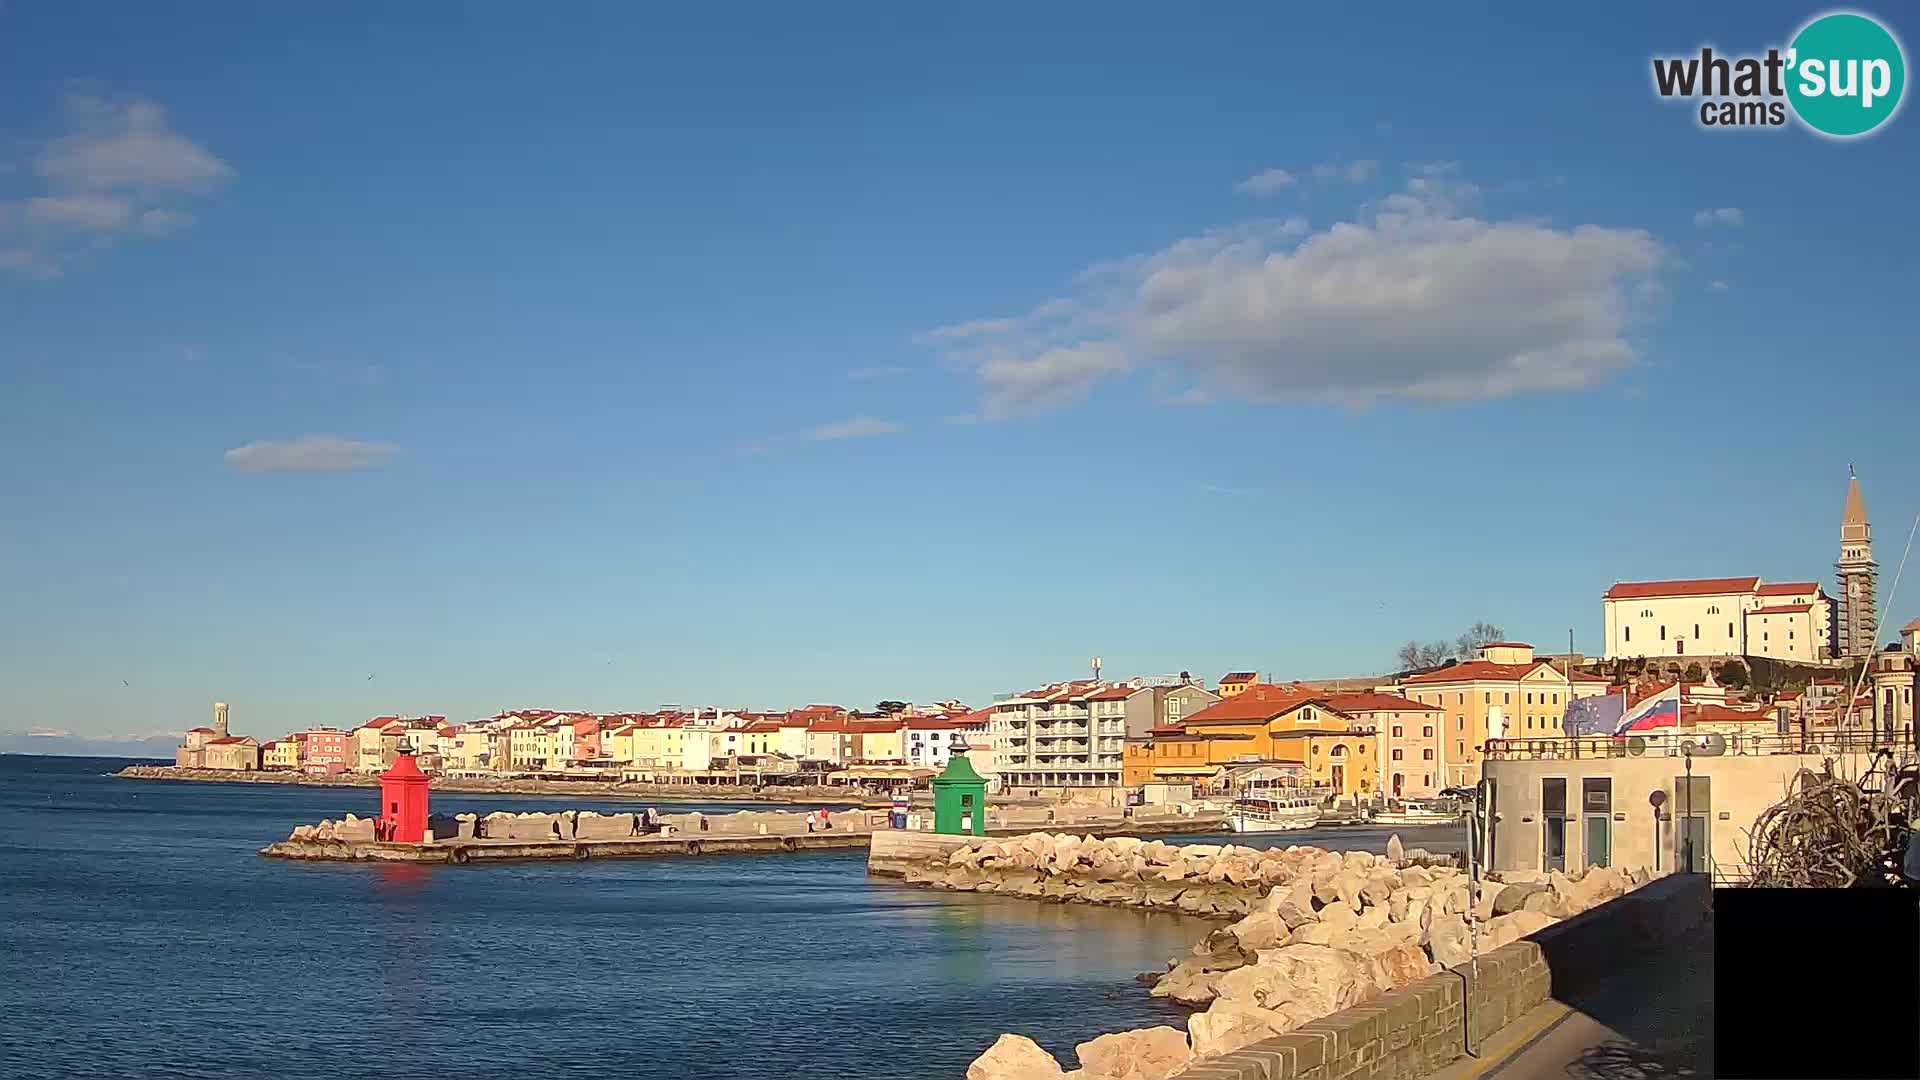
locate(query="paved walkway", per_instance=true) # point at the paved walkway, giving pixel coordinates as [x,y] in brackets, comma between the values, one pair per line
[1649,1022]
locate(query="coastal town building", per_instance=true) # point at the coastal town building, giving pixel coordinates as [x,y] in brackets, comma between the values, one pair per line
[281,754]
[238,753]
[1858,626]
[192,751]
[1261,727]
[1407,749]
[323,751]
[1719,617]
[1503,693]
[1235,683]
[929,740]
[1678,799]
[1892,672]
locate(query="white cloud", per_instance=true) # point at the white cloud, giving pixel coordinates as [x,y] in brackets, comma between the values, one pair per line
[159,222]
[973,328]
[1718,286]
[80,210]
[1416,299]
[1354,172]
[29,262]
[311,453]
[117,167]
[856,428]
[1267,182]
[126,146]
[1731,217]
[885,371]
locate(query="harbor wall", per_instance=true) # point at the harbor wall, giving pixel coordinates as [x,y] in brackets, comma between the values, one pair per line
[1422,1028]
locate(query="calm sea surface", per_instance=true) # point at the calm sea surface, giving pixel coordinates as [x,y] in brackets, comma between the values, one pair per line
[142,936]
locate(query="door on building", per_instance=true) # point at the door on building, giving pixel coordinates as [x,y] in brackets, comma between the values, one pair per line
[1596,810]
[1399,781]
[1339,779]
[1679,646]
[1693,840]
[1553,823]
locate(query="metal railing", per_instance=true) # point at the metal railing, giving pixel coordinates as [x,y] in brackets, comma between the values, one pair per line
[1677,743]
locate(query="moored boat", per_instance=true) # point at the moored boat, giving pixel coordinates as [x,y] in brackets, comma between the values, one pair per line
[1417,812]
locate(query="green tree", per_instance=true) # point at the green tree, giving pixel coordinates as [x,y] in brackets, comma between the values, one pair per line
[1693,673]
[1734,674]
[888,708]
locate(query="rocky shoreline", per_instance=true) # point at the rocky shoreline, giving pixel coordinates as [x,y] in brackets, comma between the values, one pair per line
[1316,932]
[676,793]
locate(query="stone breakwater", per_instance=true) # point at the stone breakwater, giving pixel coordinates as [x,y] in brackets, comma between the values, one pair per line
[1326,931]
[578,834]
[1208,880]
[599,789]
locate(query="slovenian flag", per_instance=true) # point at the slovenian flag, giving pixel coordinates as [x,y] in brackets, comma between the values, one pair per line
[1660,710]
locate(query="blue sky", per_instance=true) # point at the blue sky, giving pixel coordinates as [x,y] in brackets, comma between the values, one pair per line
[627,356]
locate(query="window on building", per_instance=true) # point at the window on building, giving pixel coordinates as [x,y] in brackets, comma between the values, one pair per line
[1529,699]
[1663,631]
[1696,631]
[1626,633]
[1427,779]
[1460,722]
[1713,610]
[1462,746]
[1427,754]
[1506,699]
[1729,629]
[1396,754]
[1427,731]
[1396,731]
[1486,698]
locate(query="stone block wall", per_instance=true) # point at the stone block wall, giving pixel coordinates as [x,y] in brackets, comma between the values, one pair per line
[1420,1029]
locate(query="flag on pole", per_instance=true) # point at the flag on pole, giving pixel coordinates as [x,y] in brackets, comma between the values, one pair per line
[1660,710]
[1596,715]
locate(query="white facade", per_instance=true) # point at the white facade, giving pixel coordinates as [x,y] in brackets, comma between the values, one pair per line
[928,746]
[1717,617]
[1067,735]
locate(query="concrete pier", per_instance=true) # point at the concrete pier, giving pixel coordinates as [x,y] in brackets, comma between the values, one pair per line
[462,852]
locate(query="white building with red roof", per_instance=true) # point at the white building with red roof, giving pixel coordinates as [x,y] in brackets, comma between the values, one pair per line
[1710,617]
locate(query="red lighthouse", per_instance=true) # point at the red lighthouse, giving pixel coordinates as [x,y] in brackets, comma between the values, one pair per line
[403,802]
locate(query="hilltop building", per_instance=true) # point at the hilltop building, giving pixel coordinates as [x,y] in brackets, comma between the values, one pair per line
[1709,617]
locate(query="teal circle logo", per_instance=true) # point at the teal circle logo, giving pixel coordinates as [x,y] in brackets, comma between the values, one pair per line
[1846,74]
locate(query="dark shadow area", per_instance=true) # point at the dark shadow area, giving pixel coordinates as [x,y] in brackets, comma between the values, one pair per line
[1627,1061]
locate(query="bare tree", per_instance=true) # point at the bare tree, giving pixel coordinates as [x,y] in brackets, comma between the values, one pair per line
[1477,637]
[1411,656]
[1415,655]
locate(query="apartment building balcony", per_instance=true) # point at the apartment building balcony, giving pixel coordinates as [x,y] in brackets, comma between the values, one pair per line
[1062,731]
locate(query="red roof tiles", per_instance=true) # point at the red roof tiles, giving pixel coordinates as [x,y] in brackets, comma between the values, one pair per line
[1783,609]
[1643,590]
[1788,588]
[1376,702]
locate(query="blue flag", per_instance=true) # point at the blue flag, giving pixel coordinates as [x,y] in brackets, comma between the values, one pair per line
[1597,715]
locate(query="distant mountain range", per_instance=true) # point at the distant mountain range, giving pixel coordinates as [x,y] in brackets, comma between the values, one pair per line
[68,744]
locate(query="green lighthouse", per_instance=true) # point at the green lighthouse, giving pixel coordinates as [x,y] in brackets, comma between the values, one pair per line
[959,797]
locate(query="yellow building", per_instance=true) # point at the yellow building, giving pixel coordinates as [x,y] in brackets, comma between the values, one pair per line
[281,754]
[1503,694]
[1235,683]
[661,744]
[877,740]
[617,744]
[1262,725]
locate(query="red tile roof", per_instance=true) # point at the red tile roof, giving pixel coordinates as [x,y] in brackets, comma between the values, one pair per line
[1788,588]
[1783,609]
[1376,702]
[763,726]
[1256,704]
[1642,590]
[1479,669]
[230,740]
[873,727]
[202,730]
[1114,693]
[932,723]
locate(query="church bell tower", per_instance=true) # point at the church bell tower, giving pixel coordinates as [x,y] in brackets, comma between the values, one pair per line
[1857,625]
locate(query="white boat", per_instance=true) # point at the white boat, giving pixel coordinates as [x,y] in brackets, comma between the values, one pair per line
[1275,808]
[1418,812]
